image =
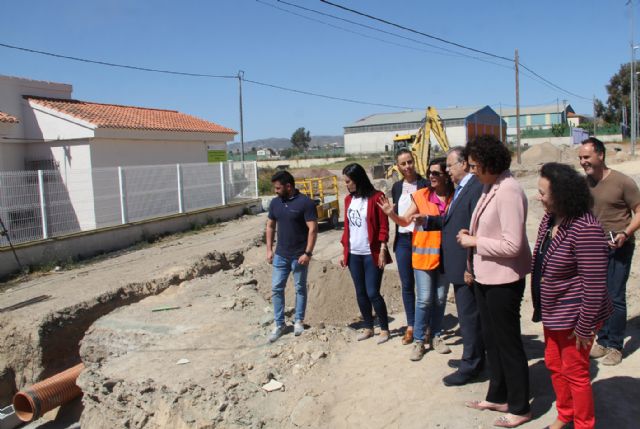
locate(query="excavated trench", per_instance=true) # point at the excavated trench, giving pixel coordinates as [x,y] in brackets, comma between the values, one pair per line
[57,346]
[58,337]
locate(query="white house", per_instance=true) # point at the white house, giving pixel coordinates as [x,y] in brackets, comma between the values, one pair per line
[375,133]
[43,128]
[266,153]
[52,129]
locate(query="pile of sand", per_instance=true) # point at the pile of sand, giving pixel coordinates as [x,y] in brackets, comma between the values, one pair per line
[541,153]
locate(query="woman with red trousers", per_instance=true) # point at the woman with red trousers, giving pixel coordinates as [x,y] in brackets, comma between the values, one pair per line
[569,288]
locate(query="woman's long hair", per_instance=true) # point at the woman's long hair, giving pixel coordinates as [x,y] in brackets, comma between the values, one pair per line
[357,174]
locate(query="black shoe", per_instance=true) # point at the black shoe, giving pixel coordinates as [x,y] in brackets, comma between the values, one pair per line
[458,379]
[454,363]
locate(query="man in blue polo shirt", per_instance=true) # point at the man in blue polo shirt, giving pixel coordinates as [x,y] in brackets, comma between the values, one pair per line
[294,217]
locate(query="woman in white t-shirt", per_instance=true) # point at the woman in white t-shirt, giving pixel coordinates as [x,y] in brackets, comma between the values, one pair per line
[364,239]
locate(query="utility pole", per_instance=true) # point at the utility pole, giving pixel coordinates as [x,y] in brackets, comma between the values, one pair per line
[503,140]
[240,77]
[595,119]
[518,155]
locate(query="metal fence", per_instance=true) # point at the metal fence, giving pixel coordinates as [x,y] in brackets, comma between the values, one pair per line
[36,205]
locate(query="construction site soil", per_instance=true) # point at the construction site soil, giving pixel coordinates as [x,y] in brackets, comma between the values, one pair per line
[173,335]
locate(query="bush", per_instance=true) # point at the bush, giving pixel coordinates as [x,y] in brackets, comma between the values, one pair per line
[264,181]
[560,130]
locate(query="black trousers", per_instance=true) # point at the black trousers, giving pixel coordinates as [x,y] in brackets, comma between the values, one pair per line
[499,307]
[469,319]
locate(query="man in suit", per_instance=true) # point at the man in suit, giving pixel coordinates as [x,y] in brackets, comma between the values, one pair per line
[454,262]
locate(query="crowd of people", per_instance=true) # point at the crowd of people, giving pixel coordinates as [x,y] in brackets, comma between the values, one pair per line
[465,226]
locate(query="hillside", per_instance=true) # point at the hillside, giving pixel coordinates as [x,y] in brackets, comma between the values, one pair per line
[283,143]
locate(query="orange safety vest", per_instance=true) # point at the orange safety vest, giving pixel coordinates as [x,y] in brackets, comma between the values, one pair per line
[426,244]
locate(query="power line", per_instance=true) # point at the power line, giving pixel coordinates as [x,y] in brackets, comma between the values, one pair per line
[553,84]
[440,39]
[124,66]
[352,31]
[446,52]
[172,72]
[451,43]
[348,100]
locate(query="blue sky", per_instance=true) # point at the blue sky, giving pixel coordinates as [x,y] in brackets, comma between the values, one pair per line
[577,45]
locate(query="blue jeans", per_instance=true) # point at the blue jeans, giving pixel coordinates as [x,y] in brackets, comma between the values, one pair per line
[367,279]
[431,299]
[612,332]
[281,268]
[405,269]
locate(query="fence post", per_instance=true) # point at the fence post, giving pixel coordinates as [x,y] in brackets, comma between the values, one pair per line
[180,197]
[222,185]
[123,196]
[255,175]
[43,209]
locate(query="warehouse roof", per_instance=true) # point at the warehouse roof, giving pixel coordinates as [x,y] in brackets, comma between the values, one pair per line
[414,116]
[536,110]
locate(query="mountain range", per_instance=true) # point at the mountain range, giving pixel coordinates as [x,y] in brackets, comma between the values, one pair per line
[284,143]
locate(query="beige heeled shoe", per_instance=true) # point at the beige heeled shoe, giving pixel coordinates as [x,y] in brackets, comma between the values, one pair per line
[384,337]
[365,334]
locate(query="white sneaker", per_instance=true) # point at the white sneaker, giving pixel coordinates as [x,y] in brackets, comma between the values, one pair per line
[277,332]
[298,328]
[439,346]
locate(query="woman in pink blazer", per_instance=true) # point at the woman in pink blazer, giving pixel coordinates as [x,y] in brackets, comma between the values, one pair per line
[499,260]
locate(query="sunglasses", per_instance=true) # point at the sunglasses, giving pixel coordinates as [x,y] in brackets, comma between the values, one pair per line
[435,173]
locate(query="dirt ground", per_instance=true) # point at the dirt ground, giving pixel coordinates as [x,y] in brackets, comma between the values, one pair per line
[202,362]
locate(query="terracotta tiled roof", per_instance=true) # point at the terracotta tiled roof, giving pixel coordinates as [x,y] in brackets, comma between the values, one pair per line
[129,117]
[5,117]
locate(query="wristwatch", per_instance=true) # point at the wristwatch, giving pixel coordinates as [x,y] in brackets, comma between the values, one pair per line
[625,234]
[309,254]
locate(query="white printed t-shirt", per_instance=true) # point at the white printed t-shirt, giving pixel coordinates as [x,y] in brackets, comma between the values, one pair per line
[404,203]
[358,231]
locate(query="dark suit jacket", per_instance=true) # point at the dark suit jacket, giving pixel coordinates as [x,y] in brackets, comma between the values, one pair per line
[453,256]
[396,191]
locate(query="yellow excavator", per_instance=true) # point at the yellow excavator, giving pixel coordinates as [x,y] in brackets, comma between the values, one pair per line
[420,144]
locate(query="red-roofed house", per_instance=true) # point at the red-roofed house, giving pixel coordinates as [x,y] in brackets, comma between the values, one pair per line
[47,127]
[43,128]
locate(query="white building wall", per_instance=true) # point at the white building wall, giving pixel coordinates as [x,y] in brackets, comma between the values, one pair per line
[41,123]
[12,152]
[114,153]
[74,169]
[457,136]
[376,142]
[13,88]
[11,156]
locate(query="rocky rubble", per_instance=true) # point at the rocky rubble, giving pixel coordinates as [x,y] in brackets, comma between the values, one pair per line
[132,379]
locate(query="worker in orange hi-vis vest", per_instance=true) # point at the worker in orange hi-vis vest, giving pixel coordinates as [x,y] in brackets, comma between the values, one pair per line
[431,287]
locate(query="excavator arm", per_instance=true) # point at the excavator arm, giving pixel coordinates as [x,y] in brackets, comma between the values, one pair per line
[421,146]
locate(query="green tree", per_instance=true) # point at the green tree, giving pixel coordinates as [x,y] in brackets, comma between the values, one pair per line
[300,139]
[587,126]
[289,152]
[619,90]
[559,130]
